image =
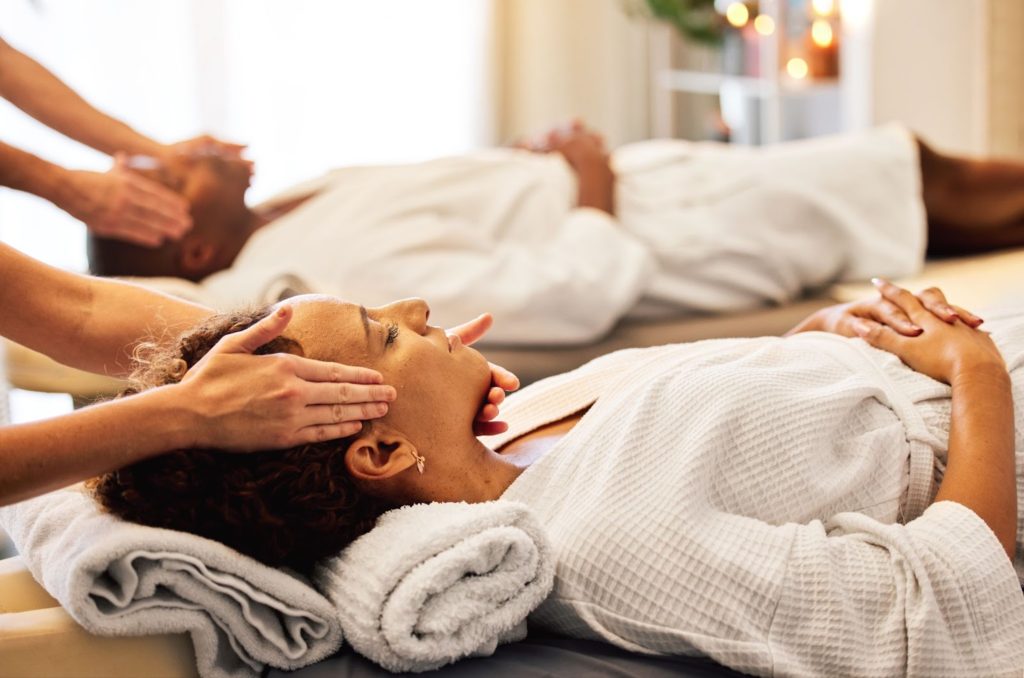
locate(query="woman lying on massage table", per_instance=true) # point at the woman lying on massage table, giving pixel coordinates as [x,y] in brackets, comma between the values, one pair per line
[807,505]
[232,401]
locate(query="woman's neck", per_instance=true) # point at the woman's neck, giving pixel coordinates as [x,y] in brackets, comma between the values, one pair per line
[485,477]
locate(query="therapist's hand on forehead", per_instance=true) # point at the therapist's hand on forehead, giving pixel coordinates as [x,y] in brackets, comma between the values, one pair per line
[252,402]
[230,400]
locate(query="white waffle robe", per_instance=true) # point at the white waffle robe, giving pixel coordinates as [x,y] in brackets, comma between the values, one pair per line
[700,227]
[765,502]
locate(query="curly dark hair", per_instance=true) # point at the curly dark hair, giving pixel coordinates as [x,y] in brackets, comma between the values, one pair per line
[288,508]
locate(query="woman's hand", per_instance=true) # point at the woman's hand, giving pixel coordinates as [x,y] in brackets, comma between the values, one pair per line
[244,402]
[124,205]
[944,349]
[501,379]
[842,319]
[584,150]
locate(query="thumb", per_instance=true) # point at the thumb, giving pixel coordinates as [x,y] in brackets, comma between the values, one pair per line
[472,331]
[251,338]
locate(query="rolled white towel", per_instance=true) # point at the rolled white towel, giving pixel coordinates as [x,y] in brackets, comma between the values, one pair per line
[433,583]
[120,579]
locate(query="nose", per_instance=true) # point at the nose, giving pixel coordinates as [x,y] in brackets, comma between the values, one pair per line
[412,312]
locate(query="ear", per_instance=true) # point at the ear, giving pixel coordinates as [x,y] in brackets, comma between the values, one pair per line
[195,254]
[378,453]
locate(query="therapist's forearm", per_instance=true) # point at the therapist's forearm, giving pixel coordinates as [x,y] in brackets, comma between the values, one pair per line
[23,171]
[38,92]
[46,455]
[85,322]
[980,471]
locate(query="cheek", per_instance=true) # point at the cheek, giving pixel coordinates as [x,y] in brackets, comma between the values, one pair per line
[435,389]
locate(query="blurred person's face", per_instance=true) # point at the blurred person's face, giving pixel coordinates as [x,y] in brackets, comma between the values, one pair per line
[214,187]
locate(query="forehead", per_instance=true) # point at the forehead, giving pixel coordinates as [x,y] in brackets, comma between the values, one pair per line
[328,328]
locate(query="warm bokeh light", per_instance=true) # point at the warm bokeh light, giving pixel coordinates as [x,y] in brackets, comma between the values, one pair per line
[764,24]
[737,14]
[821,32]
[797,68]
[824,7]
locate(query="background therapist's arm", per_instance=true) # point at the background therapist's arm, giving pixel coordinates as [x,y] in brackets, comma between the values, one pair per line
[89,323]
[39,93]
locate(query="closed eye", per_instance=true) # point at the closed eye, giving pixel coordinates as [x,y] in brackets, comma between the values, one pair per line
[392,335]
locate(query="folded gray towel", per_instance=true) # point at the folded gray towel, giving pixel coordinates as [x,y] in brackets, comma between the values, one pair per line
[120,579]
[431,583]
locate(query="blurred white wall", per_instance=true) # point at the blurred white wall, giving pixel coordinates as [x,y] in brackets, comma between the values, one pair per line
[930,69]
[949,69]
[557,59]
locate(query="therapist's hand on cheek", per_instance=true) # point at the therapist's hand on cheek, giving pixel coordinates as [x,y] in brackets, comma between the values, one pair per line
[245,402]
[124,205]
[501,379]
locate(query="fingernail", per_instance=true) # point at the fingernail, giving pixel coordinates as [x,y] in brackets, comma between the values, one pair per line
[390,393]
[877,282]
[282,312]
[915,328]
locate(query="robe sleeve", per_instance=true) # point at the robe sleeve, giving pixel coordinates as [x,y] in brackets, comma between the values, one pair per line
[934,597]
[570,288]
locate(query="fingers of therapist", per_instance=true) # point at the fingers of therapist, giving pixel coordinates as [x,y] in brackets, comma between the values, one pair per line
[503,378]
[347,393]
[487,412]
[888,313]
[489,428]
[320,370]
[162,209]
[318,415]
[320,433]
[472,331]
[127,231]
[251,338]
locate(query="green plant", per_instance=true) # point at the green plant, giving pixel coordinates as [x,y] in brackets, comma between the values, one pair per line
[694,19]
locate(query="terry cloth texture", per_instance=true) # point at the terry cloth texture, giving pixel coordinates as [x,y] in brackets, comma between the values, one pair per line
[464,580]
[762,502]
[476,570]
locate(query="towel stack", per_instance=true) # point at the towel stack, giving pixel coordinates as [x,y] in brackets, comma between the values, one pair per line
[432,583]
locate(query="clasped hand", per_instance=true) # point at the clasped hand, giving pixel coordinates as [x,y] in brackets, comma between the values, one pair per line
[925,331]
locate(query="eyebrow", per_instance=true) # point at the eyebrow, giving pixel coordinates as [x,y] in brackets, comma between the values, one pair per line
[366,322]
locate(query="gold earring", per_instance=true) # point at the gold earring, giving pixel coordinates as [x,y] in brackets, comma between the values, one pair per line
[420,461]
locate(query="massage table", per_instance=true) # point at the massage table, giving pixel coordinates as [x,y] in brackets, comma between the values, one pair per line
[37,638]
[972,282]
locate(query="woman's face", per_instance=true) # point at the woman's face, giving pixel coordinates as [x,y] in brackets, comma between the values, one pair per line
[441,384]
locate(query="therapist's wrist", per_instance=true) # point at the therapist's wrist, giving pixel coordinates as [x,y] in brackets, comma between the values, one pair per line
[41,178]
[169,418]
